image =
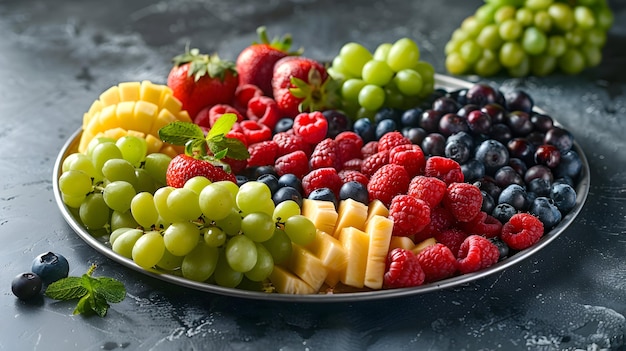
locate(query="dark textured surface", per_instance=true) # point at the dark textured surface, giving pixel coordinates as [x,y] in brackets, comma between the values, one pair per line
[57,56]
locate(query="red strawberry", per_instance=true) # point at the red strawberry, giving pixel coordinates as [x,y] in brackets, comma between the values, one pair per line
[301,84]
[200,80]
[184,167]
[255,63]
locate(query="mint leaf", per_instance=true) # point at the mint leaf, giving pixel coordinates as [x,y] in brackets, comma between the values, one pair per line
[179,133]
[69,288]
[84,305]
[236,149]
[222,126]
[99,305]
[110,289]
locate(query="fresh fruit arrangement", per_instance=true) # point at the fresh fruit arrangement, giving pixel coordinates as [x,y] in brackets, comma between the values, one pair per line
[289,182]
[530,37]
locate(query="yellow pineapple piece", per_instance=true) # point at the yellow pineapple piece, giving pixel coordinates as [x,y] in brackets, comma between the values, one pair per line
[286,282]
[379,229]
[110,96]
[170,150]
[306,266]
[376,208]
[332,254]
[150,92]
[423,244]
[170,103]
[143,116]
[125,112]
[129,91]
[333,277]
[183,116]
[356,243]
[351,214]
[164,118]
[115,133]
[153,144]
[321,213]
[401,241]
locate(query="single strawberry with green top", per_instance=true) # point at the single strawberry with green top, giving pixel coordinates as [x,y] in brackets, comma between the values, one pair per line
[255,64]
[200,80]
[204,154]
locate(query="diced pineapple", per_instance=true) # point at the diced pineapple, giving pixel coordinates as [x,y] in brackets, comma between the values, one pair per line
[377,208]
[331,252]
[351,214]
[170,103]
[287,283]
[321,213]
[401,241]
[150,92]
[110,96]
[423,244]
[379,229]
[356,243]
[306,266]
[144,116]
[129,91]
[153,144]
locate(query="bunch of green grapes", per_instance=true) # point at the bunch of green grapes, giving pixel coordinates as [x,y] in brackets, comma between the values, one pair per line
[530,37]
[392,76]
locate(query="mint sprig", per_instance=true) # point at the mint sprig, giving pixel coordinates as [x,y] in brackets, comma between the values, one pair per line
[196,143]
[94,293]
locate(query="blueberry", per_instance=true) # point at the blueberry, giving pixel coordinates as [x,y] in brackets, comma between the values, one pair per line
[519,100]
[411,117]
[385,126]
[503,248]
[415,134]
[241,179]
[482,94]
[451,123]
[26,285]
[287,193]
[323,194]
[488,202]
[519,122]
[337,122]
[355,191]
[446,105]
[429,120]
[514,195]
[261,170]
[564,197]
[283,125]
[291,180]
[559,137]
[503,212]
[457,150]
[459,95]
[493,154]
[50,267]
[501,132]
[270,180]
[365,129]
[539,186]
[434,144]
[385,113]
[473,170]
[506,176]
[570,165]
[464,137]
[544,209]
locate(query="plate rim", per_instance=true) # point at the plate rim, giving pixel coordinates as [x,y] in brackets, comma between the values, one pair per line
[443,81]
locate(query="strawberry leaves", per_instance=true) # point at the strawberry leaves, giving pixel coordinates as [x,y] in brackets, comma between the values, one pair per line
[201,65]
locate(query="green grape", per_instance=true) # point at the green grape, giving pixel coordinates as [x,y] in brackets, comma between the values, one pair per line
[73,201]
[67,162]
[572,61]
[511,54]
[470,51]
[148,250]
[504,13]
[336,75]
[562,16]
[254,196]
[350,89]
[455,64]
[353,57]
[595,37]
[216,201]
[169,261]
[453,46]
[258,226]
[104,152]
[214,236]
[75,183]
[362,112]
[472,26]
[144,181]
[160,202]
[488,64]
[376,72]
[522,69]
[231,224]
[97,141]
[534,41]
[584,17]
[459,35]
[231,186]
[409,82]
[604,18]
[279,246]
[181,237]
[556,46]
[575,37]
[525,16]
[285,210]
[485,13]
[341,68]
[489,37]
[427,72]
[119,169]
[94,212]
[224,275]
[133,148]
[263,267]
[543,21]
[542,65]
[156,165]
[300,230]
[122,220]
[184,204]
[199,264]
[197,183]
[372,97]
[592,54]
[382,51]
[144,210]
[404,53]
[124,242]
[393,97]
[510,30]
[117,233]
[240,253]
[118,195]
[537,5]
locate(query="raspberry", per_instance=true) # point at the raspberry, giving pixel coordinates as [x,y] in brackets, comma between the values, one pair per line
[374,162]
[322,178]
[236,166]
[243,94]
[262,153]
[445,169]
[411,157]
[452,238]
[521,231]
[483,224]
[312,127]
[295,162]
[476,253]
[369,149]
[352,136]
[255,132]
[430,189]
[264,109]
[353,164]
[464,201]
[237,134]
[389,181]
[347,175]
[207,116]
[409,214]
[440,220]
[288,143]
[325,155]
[348,146]
[438,262]
[402,269]
[391,139]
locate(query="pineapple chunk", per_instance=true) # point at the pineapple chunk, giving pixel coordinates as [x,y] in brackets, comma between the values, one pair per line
[351,214]
[401,241]
[287,283]
[129,91]
[110,96]
[332,254]
[308,267]
[379,229]
[150,92]
[170,103]
[144,116]
[376,208]
[356,243]
[321,213]
[423,244]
